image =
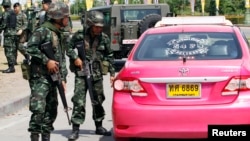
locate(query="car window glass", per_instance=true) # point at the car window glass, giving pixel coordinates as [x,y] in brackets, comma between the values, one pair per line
[193,46]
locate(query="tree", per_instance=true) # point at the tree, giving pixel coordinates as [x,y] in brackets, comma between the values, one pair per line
[175,6]
[78,7]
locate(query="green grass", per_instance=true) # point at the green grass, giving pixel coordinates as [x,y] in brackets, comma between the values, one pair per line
[75,17]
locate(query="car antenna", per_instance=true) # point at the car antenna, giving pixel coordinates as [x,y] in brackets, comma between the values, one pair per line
[184,59]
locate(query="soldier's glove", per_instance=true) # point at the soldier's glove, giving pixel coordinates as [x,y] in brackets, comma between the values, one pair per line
[19,32]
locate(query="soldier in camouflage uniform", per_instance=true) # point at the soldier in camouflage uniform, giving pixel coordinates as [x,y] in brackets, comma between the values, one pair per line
[102,52]
[9,36]
[22,23]
[43,15]
[43,98]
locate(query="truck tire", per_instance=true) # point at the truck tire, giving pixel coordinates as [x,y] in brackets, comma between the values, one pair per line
[148,21]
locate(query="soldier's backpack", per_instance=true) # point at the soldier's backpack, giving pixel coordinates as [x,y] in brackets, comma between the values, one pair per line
[12,19]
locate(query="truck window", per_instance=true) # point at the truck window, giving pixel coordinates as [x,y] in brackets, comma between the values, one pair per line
[107,20]
[137,14]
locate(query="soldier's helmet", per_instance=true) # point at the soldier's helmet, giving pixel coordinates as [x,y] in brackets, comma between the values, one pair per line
[58,10]
[95,18]
[6,3]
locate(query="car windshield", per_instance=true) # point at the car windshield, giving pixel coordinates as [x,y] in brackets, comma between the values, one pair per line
[195,46]
[136,14]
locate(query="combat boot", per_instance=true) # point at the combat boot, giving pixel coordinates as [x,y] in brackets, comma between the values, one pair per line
[45,137]
[101,130]
[11,69]
[75,132]
[34,137]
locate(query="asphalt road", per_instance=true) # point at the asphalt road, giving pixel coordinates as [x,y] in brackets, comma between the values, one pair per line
[246,31]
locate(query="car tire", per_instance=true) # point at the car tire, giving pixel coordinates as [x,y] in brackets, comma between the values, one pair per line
[148,21]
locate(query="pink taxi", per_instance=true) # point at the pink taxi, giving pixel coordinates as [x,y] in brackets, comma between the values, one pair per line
[182,77]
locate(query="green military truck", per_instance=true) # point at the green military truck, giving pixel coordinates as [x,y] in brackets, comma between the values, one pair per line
[124,23]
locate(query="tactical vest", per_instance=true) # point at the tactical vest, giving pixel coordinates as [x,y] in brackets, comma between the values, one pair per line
[98,64]
[11,19]
[93,47]
[57,36]
[56,40]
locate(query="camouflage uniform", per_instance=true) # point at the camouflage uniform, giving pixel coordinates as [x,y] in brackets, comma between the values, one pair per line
[22,24]
[103,52]
[9,37]
[43,15]
[43,98]
[67,31]
[40,82]
[31,14]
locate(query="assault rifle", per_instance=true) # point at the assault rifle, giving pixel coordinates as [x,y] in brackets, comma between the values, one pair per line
[56,77]
[87,72]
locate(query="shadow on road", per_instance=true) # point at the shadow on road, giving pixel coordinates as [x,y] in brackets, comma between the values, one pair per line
[82,134]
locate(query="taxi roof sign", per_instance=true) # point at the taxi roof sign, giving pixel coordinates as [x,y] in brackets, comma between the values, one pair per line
[218,20]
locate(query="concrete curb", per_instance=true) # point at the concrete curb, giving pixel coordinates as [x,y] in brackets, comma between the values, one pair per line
[13,106]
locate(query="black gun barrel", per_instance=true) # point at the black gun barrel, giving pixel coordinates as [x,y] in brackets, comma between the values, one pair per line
[64,101]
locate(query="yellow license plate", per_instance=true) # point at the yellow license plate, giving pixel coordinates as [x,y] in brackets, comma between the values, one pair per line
[184,90]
